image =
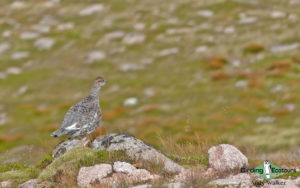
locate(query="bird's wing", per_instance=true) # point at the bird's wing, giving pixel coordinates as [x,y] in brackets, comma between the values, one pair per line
[80,115]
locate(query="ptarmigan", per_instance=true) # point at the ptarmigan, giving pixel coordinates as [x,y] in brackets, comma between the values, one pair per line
[84,117]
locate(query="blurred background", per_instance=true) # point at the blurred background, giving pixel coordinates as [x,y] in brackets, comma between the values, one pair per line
[189,71]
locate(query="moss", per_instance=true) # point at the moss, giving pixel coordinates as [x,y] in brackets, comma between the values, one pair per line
[12,166]
[293,175]
[18,176]
[45,161]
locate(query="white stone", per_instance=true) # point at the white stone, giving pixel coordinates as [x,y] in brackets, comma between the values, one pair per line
[205,13]
[130,67]
[18,5]
[65,26]
[168,51]
[149,92]
[285,47]
[225,157]
[88,175]
[289,107]
[19,55]
[277,89]
[142,186]
[4,47]
[21,90]
[278,14]
[241,83]
[95,56]
[130,101]
[113,35]
[91,10]
[13,70]
[123,167]
[229,30]
[3,118]
[6,33]
[201,49]
[29,35]
[44,43]
[134,38]
[139,26]
[41,28]
[262,120]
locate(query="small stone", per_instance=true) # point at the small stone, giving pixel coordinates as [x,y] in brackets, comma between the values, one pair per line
[167,52]
[13,70]
[41,28]
[2,75]
[29,35]
[6,33]
[29,184]
[91,10]
[289,107]
[175,185]
[3,118]
[88,175]
[149,92]
[142,186]
[201,49]
[21,90]
[6,184]
[18,5]
[19,55]
[278,14]
[4,47]
[284,48]
[205,13]
[229,30]
[113,35]
[130,67]
[134,38]
[65,26]
[139,26]
[44,43]
[123,167]
[241,83]
[226,157]
[277,89]
[262,120]
[95,56]
[130,102]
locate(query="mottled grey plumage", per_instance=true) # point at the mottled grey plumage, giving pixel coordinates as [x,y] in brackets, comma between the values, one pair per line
[84,117]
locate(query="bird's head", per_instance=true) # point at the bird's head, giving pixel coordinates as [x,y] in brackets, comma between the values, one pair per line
[99,81]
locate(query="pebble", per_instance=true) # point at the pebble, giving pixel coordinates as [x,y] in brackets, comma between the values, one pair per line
[65,26]
[95,56]
[134,38]
[19,55]
[6,33]
[262,120]
[278,14]
[284,48]
[13,70]
[167,52]
[205,13]
[18,5]
[44,43]
[91,10]
[4,47]
[130,102]
[29,35]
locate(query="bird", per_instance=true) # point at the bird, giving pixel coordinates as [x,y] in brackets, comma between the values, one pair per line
[84,117]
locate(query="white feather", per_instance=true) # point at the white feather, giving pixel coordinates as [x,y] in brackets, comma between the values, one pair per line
[72,127]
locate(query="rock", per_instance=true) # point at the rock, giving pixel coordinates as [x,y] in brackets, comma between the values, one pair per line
[41,28]
[44,43]
[139,26]
[13,70]
[174,185]
[3,118]
[130,102]
[113,35]
[140,175]
[88,175]
[123,167]
[6,184]
[134,38]
[19,55]
[91,10]
[95,56]
[241,83]
[142,186]
[4,47]
[226,157]
[29,35]
[65,26]
[135,149]
[285,47]
[65,146]
[229,30]
[29,184]
[167,52]
[205,13]
[6,33]
[262,120]
[18,5]
[130,67]
[278,14]
[201,49]
[277,88]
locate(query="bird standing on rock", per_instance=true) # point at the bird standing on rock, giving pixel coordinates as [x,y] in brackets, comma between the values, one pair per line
[84,117]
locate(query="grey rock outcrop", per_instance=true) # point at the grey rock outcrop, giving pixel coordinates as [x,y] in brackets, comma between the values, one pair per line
[135,149]
[226,157]
[29,184]
[65,146]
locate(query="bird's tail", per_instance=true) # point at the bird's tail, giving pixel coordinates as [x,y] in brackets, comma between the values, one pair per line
[57,133]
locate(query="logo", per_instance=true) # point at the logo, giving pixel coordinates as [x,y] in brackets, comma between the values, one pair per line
[267,170]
